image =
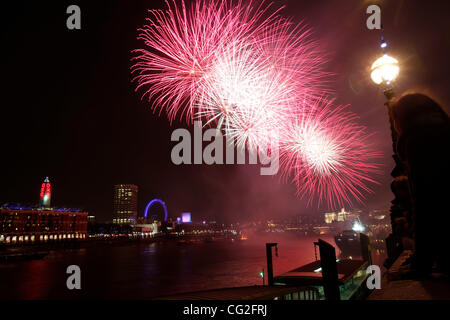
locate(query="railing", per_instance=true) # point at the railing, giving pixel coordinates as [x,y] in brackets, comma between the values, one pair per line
[307,293]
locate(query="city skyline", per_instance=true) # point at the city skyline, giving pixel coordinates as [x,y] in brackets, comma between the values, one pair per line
[125,198]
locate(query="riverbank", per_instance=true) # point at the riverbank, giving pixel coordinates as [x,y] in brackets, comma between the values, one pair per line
[40,250]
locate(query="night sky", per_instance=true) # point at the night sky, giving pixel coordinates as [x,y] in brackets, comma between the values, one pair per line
[69,110]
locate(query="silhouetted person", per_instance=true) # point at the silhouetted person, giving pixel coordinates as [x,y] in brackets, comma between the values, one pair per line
[423,129]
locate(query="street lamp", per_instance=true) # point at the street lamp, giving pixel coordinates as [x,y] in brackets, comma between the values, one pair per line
[383,72]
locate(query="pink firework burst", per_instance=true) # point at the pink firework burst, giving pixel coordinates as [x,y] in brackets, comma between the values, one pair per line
[327,154]
[291,49]
[254,85]
[181,45]
[246,97]
[259,77]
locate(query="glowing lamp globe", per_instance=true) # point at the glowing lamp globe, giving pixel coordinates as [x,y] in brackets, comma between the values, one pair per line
[385,70]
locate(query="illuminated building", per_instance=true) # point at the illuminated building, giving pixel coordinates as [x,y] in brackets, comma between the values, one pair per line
[341,216]
[186,217]
[146,230]
[37,225]
[378,214]
[125,204]
[330,217]
[46,194]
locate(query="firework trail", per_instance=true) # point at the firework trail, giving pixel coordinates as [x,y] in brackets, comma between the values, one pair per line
[259,77]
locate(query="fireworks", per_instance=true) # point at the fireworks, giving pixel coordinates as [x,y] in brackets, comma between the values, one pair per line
[259,77]
[183,45]
[327,154]
[243,96]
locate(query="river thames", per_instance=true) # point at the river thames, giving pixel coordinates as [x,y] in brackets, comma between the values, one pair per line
[146,270]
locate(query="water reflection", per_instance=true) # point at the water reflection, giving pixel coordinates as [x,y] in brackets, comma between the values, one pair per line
[148,270]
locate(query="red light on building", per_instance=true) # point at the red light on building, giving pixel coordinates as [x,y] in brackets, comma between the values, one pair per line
[45,195]
[42,190]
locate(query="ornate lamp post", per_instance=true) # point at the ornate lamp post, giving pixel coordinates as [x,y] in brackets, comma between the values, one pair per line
[383,72]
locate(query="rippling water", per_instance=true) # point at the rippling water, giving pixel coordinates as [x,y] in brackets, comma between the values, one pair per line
[153,269]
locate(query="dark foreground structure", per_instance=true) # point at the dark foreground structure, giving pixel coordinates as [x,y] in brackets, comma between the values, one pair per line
[324,279]
[395,287]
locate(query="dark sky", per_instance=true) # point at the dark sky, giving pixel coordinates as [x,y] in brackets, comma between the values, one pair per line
[69,110]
